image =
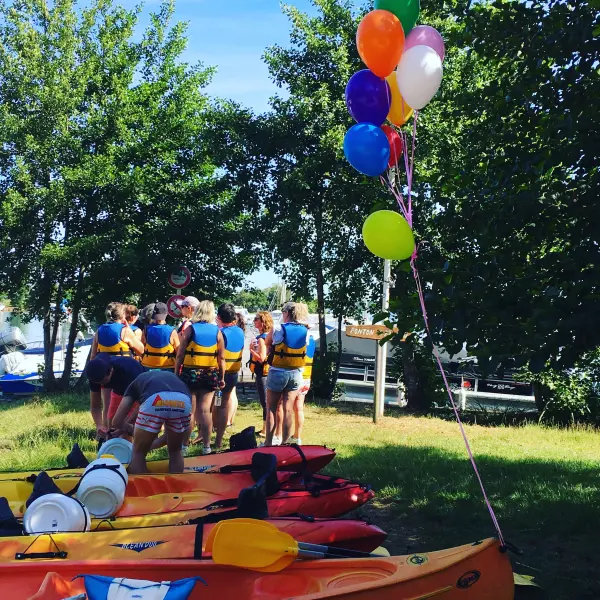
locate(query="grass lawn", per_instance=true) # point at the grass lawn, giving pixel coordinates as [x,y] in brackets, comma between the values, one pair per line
[544,483]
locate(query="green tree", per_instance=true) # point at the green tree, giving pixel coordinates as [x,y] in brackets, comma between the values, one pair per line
[316,204]
[108,178]
[507,181]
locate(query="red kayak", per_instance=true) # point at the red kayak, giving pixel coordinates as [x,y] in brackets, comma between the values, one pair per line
[154,501]
[309,459]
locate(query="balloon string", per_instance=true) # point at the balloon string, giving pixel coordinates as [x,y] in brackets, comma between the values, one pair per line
[398,195]
[409,165]
[451,397]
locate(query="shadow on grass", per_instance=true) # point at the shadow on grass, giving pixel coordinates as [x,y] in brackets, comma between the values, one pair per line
[429,500]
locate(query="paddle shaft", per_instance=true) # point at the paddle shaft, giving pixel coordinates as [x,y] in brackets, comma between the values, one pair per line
[318,555]
[336,551]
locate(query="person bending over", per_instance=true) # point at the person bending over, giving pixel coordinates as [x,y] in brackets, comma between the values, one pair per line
[114,373]
[163,400]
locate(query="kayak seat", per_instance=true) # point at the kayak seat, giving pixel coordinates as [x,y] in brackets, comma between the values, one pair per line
[76,458]
[42,485]
[141,487]
[285,585]
[9,525]
[264,471]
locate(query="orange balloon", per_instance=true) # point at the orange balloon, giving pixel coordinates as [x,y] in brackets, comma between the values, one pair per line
[400,112]
[380,41]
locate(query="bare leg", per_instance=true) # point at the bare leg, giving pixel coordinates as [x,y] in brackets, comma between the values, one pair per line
[174,442]
[187,435]
[299,416]
[279,421]
[204,416]
[289,399]
[233,405]
[222,413]
[142,442]
[105,404]
[272,402]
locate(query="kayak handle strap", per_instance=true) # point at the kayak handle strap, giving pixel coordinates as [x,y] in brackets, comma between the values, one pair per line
[58,553]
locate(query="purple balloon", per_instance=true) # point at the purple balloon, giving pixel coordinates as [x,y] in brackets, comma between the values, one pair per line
[425,35]
[368,98]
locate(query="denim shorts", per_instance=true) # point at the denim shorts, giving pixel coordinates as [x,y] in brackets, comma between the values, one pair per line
[284,380]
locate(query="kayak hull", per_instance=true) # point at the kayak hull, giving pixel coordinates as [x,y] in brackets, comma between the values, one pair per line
[288,459]
[162,500]
[474,572]
[182,542]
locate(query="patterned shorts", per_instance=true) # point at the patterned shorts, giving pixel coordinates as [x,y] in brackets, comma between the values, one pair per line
[171,409]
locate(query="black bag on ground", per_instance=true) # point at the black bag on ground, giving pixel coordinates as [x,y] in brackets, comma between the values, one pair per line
[76,458]
[42,485]
[244,440]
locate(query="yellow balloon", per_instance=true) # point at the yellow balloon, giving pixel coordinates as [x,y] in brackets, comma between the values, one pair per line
[400,112]
[387,234]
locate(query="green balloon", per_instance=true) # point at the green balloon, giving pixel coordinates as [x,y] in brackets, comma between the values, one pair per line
[387,234]
[406,10]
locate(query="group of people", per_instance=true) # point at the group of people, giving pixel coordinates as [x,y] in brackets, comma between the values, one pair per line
[146,375]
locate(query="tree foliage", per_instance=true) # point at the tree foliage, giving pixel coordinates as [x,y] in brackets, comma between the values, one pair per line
[108,166]
[315,204]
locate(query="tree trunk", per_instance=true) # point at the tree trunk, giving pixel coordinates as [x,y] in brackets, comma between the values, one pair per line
[338,358]
[321,310]
[541,394]
[412,381]
[76,308]
[51,325]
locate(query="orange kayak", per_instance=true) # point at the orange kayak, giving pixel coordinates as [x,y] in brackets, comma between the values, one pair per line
[311,459]
[479,571]
[160,500]
[180,542]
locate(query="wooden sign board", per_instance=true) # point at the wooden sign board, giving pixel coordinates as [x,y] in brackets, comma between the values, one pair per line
[369,332]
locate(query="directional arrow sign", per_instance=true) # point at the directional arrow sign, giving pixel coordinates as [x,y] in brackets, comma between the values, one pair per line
[369,332]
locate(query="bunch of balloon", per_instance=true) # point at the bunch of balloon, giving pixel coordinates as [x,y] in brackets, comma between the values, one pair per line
[404,73]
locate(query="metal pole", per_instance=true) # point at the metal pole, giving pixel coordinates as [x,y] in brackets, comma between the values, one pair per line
[381,354]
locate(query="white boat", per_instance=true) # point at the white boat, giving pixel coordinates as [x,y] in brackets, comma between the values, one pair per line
[22,362]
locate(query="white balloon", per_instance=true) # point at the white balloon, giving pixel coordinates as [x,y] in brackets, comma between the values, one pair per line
[419,75]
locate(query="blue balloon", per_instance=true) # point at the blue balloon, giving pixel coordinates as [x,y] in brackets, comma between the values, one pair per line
[368,98]
[367,149]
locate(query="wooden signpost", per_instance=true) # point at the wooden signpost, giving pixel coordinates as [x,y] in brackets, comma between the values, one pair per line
[369,332]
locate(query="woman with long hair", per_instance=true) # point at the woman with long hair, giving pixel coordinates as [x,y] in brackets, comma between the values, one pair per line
[302,317]
[263,321]
[287,345]
[201,365]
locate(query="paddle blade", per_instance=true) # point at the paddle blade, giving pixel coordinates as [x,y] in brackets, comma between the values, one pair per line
[208,546]
[252,546]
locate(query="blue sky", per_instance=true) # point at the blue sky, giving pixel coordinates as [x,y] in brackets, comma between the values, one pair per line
[232,36]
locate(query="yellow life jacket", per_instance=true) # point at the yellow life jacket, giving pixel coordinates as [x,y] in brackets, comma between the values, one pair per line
[291,352]
[234,347]
[310,354]
[109,340]
[159,353]
[258,368]
[202,351]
